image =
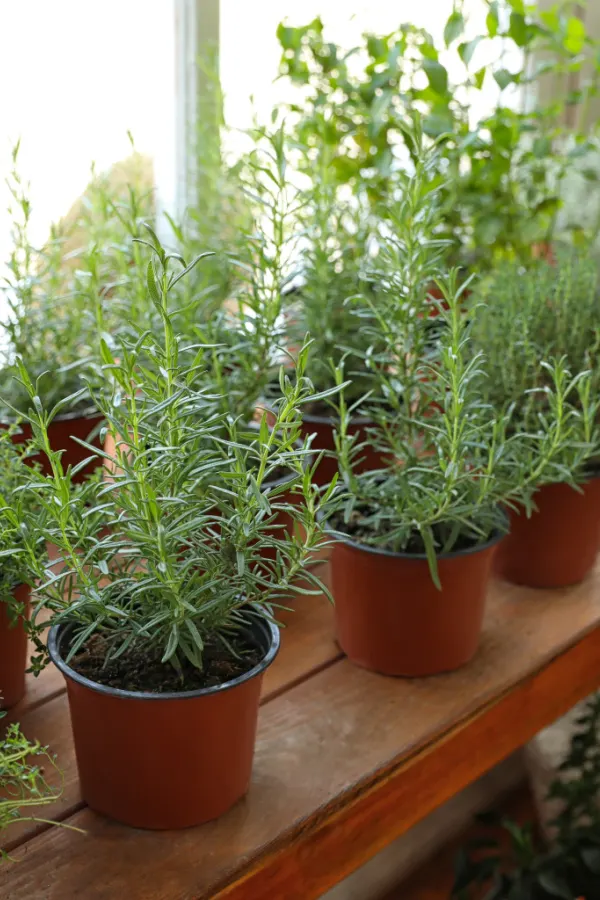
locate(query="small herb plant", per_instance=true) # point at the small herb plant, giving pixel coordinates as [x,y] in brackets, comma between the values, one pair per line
[241,326]
[449,460]
[22,779]
[164,560]
[46,325]
[549,311]
[568,869]
[333,267]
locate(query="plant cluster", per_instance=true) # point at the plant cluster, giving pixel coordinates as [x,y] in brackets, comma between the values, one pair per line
[449,460]
[549,311]
[501,173]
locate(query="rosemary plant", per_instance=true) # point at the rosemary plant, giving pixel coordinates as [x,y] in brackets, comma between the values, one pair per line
[450,461]
[551,310]
[45,326]
[170,553]
[234,308]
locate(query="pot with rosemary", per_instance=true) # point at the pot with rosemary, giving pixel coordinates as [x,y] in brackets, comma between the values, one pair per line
[549,311]
[164,613]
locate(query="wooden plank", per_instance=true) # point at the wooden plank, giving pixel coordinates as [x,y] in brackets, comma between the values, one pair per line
[307,646]
[346,761]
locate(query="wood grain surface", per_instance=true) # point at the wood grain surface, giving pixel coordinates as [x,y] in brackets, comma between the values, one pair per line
[346,761]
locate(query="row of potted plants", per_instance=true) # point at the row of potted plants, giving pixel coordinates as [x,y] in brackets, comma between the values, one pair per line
[454,408]
[162,599]
[458,449]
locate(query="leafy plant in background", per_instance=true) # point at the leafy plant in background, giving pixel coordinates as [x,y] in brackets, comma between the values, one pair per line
[167,556]
[502,172]
[218,213]
[45,324]
[549,311]
[246,331]
[333,266]
[570,867]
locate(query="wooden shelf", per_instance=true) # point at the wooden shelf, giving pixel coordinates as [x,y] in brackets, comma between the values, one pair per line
[346,760]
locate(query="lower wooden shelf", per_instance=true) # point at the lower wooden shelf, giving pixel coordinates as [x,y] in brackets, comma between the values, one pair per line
[346,761]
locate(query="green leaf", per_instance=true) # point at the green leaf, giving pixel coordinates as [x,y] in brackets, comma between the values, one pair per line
[468,48]
[555,886]
[479,77]
[518,30]
[427,536]
[591,857]
[152,287]
[576,35]
[106,354]
[491,21]
[437,124]
[454,27]
[503,78]
[436,75]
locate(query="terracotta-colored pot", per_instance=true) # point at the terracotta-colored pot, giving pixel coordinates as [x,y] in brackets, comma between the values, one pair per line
[391,618]
[60,433]
[13,650]
[165,761]
[558,545]
[323,427]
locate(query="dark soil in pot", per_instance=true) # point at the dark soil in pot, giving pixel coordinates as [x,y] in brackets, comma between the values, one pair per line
[166,760]
[558,545]
[391,618]
[142,670]
[13,651]
[81,424]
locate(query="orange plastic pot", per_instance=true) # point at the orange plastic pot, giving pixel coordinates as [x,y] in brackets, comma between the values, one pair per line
[13,650]
[391,618]
[165,761]
[558,545]
[60,433]
[323,427]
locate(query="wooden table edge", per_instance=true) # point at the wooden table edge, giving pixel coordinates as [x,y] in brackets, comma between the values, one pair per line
[323,849]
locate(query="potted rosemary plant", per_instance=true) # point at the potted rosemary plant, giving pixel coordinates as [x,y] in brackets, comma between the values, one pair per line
[49,326]
[333,267]
[163,613]
[416,537]
[549,311]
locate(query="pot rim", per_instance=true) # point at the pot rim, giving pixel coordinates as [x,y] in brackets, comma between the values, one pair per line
[58,630]
[86,412]
[495,538]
